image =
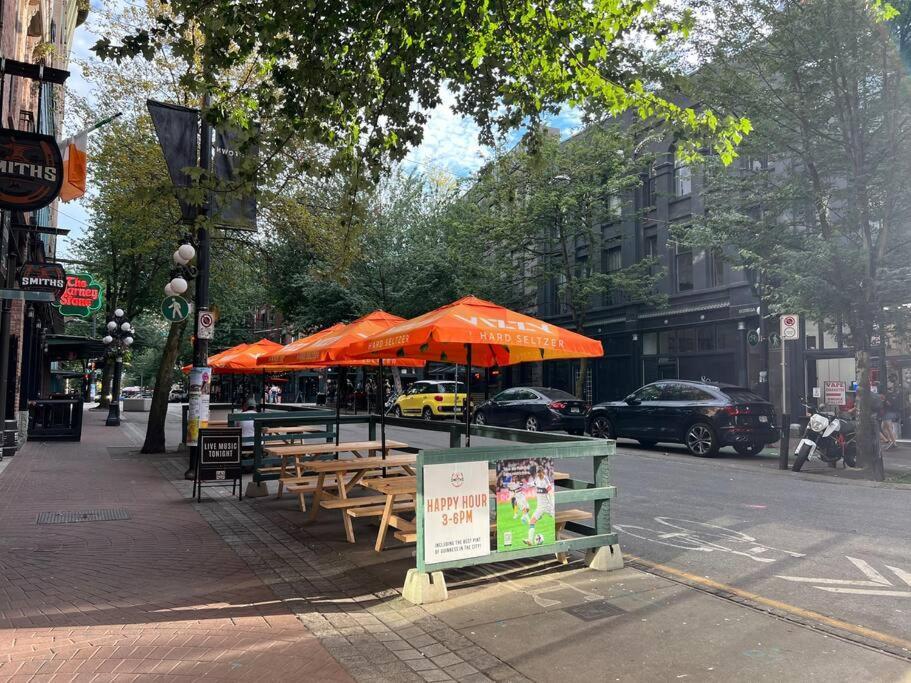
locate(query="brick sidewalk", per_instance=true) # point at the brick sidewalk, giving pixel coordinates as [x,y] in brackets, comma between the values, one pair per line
[158,593]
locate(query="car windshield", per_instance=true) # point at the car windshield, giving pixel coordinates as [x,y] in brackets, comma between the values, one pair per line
[450,387]
[556,394]
[743,396]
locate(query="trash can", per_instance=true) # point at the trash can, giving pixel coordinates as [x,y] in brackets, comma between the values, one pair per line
[10,438]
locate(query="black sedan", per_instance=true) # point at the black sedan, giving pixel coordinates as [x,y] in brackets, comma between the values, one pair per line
[702,416]
[534,409]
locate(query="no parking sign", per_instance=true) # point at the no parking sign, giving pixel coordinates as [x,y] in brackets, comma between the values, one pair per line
[790,327]
[205,328]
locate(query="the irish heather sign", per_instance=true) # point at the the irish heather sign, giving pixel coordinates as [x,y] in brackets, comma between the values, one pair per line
[31,170]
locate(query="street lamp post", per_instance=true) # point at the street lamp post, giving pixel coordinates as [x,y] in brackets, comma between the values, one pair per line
[118,339]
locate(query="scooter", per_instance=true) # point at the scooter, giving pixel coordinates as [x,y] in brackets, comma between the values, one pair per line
[827,438]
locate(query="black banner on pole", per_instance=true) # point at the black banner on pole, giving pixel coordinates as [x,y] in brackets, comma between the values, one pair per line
[178,134]
[235,160]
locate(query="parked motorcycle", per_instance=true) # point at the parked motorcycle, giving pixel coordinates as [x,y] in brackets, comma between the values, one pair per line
[827,438]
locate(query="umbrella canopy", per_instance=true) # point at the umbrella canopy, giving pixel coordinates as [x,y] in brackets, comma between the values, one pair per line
[216,357]
[495,336]
[333,345]
[287,355]
[243,361]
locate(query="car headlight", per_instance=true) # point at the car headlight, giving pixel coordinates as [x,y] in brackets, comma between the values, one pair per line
[818,423]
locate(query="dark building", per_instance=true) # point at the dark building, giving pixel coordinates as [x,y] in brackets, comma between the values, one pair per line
[704,332]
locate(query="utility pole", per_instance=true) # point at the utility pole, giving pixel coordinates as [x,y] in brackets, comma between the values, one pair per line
[201,346]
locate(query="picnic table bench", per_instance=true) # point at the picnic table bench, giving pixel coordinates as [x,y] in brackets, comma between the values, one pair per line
[292,457]
[359,467]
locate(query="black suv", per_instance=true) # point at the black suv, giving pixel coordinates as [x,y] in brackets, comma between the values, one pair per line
[701,415]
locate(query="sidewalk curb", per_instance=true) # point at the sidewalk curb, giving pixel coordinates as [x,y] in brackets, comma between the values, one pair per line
[809,476]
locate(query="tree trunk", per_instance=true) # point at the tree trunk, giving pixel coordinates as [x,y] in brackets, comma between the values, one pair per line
[155,434]
[107,374]
[869,454]
[580,380]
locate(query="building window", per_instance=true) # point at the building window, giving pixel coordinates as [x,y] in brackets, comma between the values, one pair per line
[651,246]
[717,267]
[684,269]
[650,344]
[613,259]
[683,179]
[614,207]
[650,191]
[705,338]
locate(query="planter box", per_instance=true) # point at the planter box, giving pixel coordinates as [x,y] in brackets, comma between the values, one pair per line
[137,405]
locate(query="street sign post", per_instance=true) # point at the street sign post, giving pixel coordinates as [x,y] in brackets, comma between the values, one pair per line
[205,328]
[175,308]
[790,331]
[790,327]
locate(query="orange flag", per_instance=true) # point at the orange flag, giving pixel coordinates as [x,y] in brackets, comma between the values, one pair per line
[74,167]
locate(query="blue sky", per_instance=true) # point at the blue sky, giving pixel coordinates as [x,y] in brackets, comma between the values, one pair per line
[450,141]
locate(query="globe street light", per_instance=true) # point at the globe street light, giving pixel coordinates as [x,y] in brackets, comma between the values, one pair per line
[119,338]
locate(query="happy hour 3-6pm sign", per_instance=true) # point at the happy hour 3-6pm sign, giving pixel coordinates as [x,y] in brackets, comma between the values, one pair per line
[456,511]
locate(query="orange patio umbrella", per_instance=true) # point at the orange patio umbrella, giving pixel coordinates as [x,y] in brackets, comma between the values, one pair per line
[243,361]
[287,355]
[216,357]
[332,349]
[472,331]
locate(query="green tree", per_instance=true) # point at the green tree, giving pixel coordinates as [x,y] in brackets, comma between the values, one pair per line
[544,215]
[819,206]
[358,77]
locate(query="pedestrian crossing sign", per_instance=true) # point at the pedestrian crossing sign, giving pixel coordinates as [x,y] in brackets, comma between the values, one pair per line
[175,308]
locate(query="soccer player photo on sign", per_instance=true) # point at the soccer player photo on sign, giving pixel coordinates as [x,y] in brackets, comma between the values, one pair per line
[525,503]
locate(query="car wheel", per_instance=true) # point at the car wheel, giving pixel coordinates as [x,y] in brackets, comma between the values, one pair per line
[700,440]
[601,428]
[427,414]
[531,423]
[479,419]
[647,443]
[748,448]
[397,412]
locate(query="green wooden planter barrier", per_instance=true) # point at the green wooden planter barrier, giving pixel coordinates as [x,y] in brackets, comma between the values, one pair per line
[425,583]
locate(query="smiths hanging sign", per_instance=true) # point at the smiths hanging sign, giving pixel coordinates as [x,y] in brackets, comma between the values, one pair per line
[43,277]
[82,296]
[31,170]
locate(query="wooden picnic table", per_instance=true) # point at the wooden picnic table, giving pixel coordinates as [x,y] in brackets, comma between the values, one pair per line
[340,469]
[291,474]
[299,429]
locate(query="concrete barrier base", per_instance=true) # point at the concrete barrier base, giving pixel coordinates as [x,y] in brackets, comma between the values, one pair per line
[422,588]
[256,489]
[604,559]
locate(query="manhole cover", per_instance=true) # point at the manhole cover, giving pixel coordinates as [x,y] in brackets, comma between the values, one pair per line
[83,516]
[592,611]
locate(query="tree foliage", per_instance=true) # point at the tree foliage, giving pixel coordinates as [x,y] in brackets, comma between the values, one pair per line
[359,76]
[820,206]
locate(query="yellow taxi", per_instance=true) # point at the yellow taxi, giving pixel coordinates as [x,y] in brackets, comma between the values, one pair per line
[431,398]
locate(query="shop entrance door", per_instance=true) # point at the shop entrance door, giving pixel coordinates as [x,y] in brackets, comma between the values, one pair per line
[655,369]
[904,393]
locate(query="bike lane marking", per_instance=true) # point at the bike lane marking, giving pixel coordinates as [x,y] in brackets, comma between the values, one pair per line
[876,583]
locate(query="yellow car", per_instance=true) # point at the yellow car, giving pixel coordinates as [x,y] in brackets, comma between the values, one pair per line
[430,399]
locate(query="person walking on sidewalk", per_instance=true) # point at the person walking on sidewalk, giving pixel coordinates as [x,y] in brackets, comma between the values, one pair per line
[889,419]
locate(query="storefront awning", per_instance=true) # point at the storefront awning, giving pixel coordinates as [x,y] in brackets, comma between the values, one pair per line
[71,347]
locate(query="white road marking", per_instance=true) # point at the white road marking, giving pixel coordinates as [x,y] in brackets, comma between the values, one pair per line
[876,582]
[704,537]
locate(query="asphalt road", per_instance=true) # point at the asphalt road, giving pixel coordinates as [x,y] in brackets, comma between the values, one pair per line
[842,550]
[839,549]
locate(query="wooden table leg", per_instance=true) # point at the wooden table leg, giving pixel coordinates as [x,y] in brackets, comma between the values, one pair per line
[298,471]
[343,494]
[384,523]
[281,474]
[316,496]
[561,556]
